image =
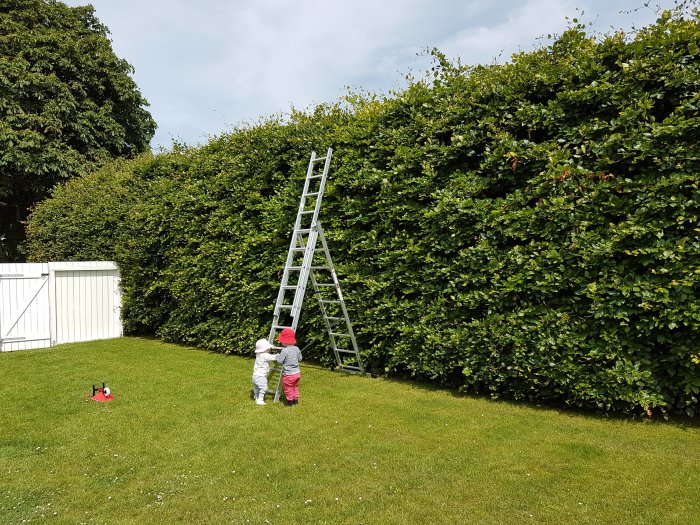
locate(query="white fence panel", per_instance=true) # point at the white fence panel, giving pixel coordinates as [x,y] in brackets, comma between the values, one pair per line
[24,306]
[45,304]
[85,305]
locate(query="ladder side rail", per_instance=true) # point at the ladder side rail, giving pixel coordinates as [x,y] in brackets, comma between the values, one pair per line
[293,244]
[310,248]
[304,193]
[322,186]
[297,241]
[306,271]
[278,388]
[277,310]
[329,327]
[284,282]
[326,321]
[348,324]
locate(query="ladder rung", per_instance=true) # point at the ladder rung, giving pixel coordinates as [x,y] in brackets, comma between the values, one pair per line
[344,351]
[350,367]
[340,335]
[314,176]
[325,285]
[311,194]
[276,327]
[303,230]
[285,306]
[335,318]
[318,159]
[307,212]
[329,301]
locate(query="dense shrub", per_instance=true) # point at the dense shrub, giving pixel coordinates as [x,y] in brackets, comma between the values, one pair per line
[527,230]
[87,219]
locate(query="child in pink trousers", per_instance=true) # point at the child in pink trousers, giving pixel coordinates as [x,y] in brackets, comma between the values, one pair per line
[289,358]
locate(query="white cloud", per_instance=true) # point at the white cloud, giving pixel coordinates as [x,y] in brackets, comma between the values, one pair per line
[208,64]
[519,30]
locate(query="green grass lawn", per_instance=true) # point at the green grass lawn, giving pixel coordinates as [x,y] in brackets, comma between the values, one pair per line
[183,442]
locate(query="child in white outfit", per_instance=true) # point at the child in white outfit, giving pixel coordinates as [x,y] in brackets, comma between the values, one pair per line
[260,369]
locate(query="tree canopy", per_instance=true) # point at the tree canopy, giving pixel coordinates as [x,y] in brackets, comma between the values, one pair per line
[67,104]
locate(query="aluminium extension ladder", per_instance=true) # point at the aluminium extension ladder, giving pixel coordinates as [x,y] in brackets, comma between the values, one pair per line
[306,260]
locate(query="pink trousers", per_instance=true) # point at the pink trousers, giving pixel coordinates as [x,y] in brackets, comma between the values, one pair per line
[291,386]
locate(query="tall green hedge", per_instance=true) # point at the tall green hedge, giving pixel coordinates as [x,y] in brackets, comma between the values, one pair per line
[527,230]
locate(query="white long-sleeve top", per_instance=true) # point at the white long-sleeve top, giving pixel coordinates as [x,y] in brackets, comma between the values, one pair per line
[262,363]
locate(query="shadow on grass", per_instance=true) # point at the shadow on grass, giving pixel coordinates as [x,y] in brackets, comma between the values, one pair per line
[676,420]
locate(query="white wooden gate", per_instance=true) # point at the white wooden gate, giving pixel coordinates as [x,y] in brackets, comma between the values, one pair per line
[44,304]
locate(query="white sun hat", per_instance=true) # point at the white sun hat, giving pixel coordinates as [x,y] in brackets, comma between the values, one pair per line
[262,345]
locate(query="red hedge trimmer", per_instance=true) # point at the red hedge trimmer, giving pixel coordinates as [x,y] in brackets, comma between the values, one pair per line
[102,394]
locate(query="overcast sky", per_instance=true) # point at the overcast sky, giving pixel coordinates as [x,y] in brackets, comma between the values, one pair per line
[207,65]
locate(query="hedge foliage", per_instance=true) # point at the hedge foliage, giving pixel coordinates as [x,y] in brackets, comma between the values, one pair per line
[527,230]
